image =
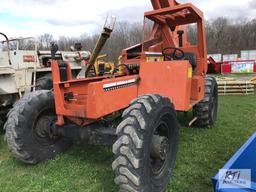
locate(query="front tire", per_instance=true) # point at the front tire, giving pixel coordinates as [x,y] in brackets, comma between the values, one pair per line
[147,144]
[28,128]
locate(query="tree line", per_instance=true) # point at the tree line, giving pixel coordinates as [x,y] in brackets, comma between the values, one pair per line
[223,35]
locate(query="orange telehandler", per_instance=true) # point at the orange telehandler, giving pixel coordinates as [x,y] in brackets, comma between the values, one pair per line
[161,75]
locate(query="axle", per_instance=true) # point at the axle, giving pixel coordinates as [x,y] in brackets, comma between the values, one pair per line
[94,134]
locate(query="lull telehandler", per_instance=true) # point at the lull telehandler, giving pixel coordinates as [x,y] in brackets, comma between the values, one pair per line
[161,75]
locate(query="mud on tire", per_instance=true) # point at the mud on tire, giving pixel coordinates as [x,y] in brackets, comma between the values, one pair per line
[206,110]
[149,119]
[27,128]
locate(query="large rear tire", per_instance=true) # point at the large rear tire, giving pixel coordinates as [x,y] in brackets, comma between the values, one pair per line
[28,128]
[3,113]
[2,121]
[206,111]
[147,144]
[44,82]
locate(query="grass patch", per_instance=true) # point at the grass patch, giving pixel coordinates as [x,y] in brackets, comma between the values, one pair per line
[88,168]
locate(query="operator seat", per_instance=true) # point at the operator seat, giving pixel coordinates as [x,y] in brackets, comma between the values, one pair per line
[191,57]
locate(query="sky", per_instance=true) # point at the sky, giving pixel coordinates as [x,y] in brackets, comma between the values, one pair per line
[76,17]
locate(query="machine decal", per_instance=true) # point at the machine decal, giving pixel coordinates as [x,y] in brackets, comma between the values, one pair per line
[29,58]
[120,84]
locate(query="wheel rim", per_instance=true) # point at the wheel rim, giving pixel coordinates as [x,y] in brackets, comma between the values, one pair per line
[42,128]
[160,148]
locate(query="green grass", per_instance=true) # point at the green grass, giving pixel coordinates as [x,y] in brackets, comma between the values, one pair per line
[88,168]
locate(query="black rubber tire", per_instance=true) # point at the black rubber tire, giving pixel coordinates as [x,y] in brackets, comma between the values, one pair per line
[44,82]
[20,136]
[132,148]
[206,111]
[3,117]
[2,121]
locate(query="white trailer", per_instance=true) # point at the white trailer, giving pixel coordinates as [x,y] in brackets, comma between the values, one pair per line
[23,71]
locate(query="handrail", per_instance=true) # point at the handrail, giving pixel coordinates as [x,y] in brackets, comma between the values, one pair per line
[8,47]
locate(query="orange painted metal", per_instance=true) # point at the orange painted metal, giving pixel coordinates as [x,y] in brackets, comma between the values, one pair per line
[170,14]
[170,79]
[84,101]
[198,88]
[93,98]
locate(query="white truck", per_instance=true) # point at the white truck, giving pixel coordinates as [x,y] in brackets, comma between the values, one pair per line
[25,70]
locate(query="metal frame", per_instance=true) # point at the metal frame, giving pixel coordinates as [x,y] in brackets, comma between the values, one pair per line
[87,100]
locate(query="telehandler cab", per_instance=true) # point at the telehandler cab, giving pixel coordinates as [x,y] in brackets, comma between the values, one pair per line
[161,75]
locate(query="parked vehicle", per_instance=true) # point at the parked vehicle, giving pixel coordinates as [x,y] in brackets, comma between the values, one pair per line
[162,74]
[25,68]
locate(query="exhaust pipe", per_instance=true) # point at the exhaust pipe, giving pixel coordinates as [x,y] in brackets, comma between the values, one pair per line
[107,30]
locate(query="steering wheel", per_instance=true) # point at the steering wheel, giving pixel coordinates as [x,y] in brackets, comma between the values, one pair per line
[173,53]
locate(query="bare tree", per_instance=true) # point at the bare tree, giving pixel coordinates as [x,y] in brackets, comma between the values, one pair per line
[223,36]
[45,40]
